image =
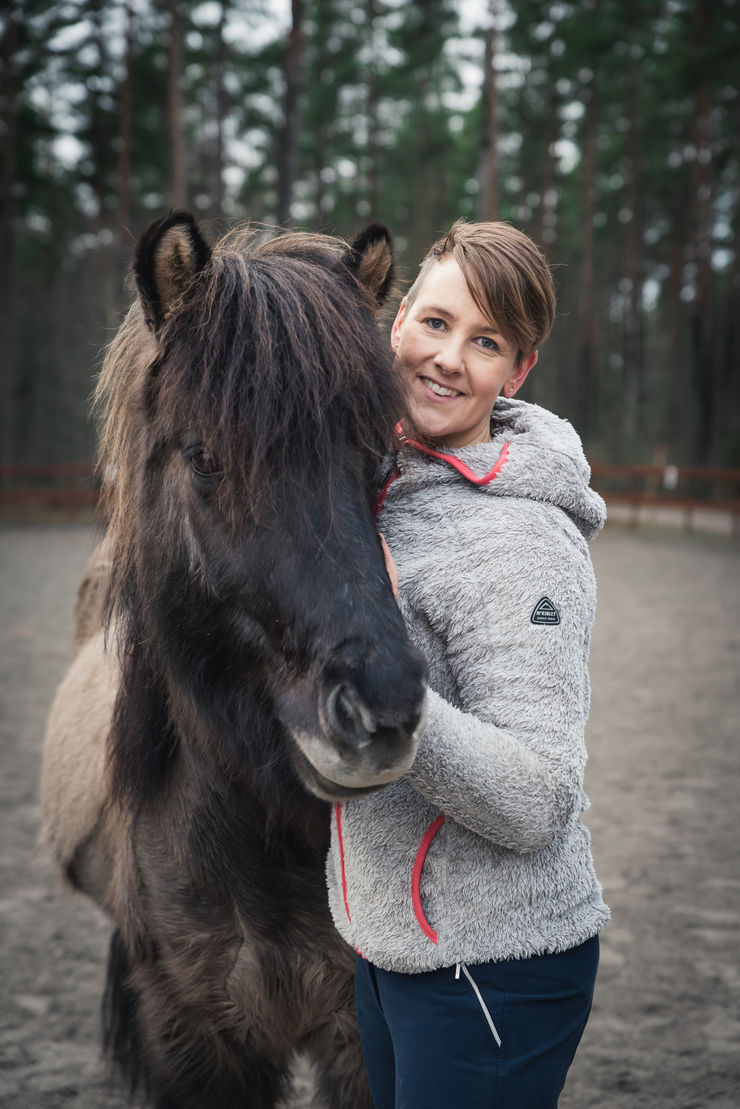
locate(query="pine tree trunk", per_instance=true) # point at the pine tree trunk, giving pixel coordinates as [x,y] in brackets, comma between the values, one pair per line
[545,232]
[123,201]
[730,385]
[320,199]
[673,371]
[586,364]
[701,223]
[373,152]
[288,155]
[8,215]
[217,199]
[488,196]
[174,107]
[634,369]
[100,139]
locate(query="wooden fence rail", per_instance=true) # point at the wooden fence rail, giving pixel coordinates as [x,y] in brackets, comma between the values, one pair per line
[690,489]
[62,485]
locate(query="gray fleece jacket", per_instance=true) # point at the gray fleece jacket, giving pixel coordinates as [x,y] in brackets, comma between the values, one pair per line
[478,852]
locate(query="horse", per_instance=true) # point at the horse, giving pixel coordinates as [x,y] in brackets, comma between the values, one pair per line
[251,665]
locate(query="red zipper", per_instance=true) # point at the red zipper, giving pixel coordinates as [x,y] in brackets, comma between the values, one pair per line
[421,855]
[340,839]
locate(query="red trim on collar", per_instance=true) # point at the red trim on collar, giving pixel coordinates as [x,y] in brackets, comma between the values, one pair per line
[461,467]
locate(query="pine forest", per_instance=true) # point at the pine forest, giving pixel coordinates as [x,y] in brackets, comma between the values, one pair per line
[609,130]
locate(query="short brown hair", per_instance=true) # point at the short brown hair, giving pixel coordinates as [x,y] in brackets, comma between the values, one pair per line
[507,275]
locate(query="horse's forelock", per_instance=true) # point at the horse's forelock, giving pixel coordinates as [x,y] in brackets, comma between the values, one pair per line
[118,404]
[273,359]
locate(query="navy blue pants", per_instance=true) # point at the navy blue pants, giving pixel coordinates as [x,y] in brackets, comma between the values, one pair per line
[428,1044]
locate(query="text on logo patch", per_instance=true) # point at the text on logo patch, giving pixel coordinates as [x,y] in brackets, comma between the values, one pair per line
[545,612]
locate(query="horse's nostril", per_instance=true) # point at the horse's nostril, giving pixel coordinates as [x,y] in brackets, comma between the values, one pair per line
[343,710]
[350,717]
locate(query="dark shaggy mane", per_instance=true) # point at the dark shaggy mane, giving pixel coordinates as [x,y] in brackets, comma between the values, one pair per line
[142,743]
[274,361]
[271,357]
[237,634]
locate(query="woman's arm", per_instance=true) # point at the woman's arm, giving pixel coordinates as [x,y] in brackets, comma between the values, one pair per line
[510,766]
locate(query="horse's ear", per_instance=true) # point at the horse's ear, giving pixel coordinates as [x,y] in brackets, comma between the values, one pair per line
[169,254]
[370,257]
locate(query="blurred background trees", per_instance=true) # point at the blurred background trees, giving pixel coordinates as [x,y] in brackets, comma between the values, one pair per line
[609,130]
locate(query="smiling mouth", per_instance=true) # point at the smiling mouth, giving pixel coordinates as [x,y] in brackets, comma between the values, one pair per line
[440,390]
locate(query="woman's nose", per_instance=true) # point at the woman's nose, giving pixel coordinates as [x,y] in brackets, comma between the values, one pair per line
[449,357]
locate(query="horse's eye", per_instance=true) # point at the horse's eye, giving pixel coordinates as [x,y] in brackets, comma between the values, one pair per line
[204,463]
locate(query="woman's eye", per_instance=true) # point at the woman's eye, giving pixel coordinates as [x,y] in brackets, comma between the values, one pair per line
[435,323]
[487,343]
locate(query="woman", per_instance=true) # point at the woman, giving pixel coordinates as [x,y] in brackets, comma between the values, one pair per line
[468,887]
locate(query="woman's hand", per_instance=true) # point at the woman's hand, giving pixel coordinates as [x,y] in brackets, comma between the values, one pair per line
[390,566]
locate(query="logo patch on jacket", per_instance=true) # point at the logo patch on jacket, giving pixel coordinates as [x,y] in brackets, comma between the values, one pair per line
[545,612]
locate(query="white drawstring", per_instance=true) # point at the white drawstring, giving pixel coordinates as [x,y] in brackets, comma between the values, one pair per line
[484,1007]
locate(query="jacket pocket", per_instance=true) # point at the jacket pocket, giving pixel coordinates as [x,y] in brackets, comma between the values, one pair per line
[421,855]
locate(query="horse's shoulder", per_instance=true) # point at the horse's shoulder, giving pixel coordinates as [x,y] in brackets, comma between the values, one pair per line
[75,784]
[92,592]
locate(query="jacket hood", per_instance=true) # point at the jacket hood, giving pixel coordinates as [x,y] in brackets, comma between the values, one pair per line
[533,454]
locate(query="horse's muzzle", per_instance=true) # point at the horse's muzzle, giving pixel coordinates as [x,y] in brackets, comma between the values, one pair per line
[357,749]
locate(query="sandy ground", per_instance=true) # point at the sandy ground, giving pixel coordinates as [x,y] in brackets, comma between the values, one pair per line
[664,739]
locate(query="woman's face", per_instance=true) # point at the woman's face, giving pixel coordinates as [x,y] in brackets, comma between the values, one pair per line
[454,360]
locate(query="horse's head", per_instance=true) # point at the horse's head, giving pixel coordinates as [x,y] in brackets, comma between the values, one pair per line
[249,399]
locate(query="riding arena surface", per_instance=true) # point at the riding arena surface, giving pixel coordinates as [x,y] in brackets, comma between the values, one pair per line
[663,777]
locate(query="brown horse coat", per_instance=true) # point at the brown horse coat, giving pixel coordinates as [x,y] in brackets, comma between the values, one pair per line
[254,665]
[223,981]
[75,781]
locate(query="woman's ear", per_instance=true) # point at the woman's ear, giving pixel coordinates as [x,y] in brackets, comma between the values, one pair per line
[396,329]
[520,374]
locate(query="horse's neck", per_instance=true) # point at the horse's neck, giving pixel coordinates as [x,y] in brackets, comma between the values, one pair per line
[269,804]
[218,789]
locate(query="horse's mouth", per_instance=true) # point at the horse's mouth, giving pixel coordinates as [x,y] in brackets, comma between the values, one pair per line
[329,790]
[333,791]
